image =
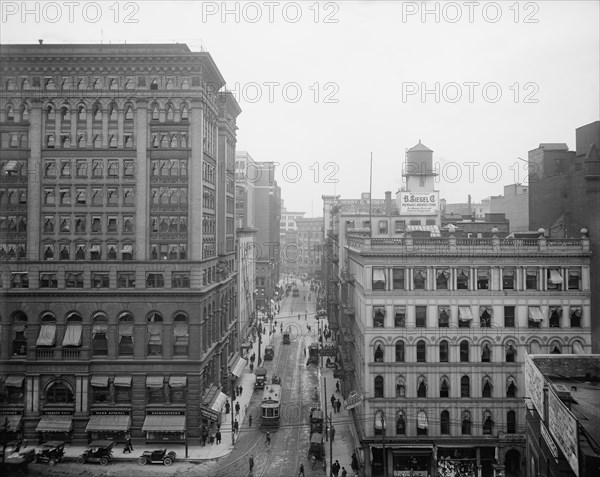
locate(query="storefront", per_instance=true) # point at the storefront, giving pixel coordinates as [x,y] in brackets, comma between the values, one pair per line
[108,424]
[11,423]
[456,461]
[55,426]
[165,426]
[236,365]
[212,404]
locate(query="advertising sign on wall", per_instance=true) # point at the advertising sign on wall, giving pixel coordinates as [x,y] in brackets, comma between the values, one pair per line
[563,427]
[534,385]
[419,203]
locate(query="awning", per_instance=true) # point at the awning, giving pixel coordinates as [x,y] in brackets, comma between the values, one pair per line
[219,402]
[12,420]
[124,381]
[108,422]
[14,381]
[178,381]
[73,335]
[378,275]
[99,381]
[127,249]
[422,420]
[535,314]
[52,423]
[47,335]
[246,346]
[154,381]
[11,166]
[160,423]
[95,248]
[578,348]
[239,366]
[464,313]
[434,230]
[555,276]
[534,348]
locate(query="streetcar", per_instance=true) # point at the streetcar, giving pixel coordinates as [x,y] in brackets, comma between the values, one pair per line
[270,405]
[295,292]
[313,353]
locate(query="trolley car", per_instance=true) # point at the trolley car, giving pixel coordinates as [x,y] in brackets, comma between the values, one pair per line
[313,353]
[270,406]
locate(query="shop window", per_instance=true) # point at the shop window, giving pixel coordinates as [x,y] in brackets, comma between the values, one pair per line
[574,279]
[575,313]
[59,393]
[555,313]
[154,327]
[399,316]
[443,316]
[531,278]
[400,352]
[378,316]
[488,423]
[466,423]
[444,388]
[464,351]
[400,387]
[483,278]
[441,282]
[19,330]
[180,335]
[508,278]
[126,334]
[486,388]
[378,386]
[486,353]
[421,352]
[378,355]
[421,316]
[511,353]
[422,387]
[422,423]
[465,387]
[443,351]
[400,423]
[485,316]
[509,316]
[445,423]
[379,279]
[419,278]
[511,389]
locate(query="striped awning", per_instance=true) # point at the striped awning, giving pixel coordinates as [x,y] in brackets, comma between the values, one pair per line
[108,422]
[166,423]
[434,230]
[53,423]
[154,381]
[178,381]
[124,381]
[535,314]
[99,381]
[464,313]
[14,381]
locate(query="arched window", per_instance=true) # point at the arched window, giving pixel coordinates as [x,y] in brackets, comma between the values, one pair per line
[443,351]
[128,113]
[155,113]
[422,387]
[444,387]
[64,114]
[464,351]
[379,353]
[378,386]
[99,331]
[19,330]
[113,141]
[511,353]
[486,353]
[466,423]
[400,387]
[73,331]
[181,336]
[154,328]
[445,423]
[511,422]
[486,389]
[184,112]
[59,393]
[400,423]
[164,141]
[511,388]
[465,387]
[400,351]
[126,329]
[24,113]
[421,356]
[47,336]
[112,112]
[422,423]
[488,423]
[170,113]
[97,112]
[379,422]
[555,347]
[10,113]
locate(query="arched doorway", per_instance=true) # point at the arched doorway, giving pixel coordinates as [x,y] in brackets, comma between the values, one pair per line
[512,463]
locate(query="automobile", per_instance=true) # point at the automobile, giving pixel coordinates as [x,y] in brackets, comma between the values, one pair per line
[158,456]
[51,452]
[269,353]
[261,377]
[286,338]
[97,452]
[317,448]
[316,421]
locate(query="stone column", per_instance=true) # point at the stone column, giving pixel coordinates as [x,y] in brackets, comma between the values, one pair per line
[195,187]
[34,181]
[104,127]
[142,215]
[120,128]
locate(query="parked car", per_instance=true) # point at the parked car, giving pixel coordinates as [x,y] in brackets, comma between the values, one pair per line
[261,377]
[286,338]
[97,452]
[269,353]
[158,456]
[316,421]
[317,448]
[51,452]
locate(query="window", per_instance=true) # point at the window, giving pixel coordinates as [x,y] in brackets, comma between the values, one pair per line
[19,280]
[466,423]
[113,169]
[378,278]
[486,353]
[126,331]
[80,195]
[465,387]
[59,393]
[65,224]
[485,316]
[575,313]
[65,169]
[48,280]
[100,390]
[112,196]
[421,387]
[400,351]
[154,328]
[180,280]
[155,280]
[398,278]
[511,353]
[19,329]
[441,282]
[462,279]
[421,356]
[464,351]
[399,226]
[378,386]
[555,347]
[400,423]
[483,278]
[443,316]
[65,196]
[555,313]
[531,278]
[511,389]
[419,278]
[126,280]
[399,316]
[422,423]
[180,335]
[383,226]
[74,280]
[443,351]
[445,423]
[378,355]
[486,388]
[574,279]
[400,387]
[379,423]
[444,388]
[47,335]
[488,423]
[378,316]
[535,317]
[95,252]
[509,316]
[97,169]
[508,278]
[511,422]
[421,316]
[554,279]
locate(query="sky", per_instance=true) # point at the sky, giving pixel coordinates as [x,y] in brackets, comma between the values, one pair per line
[325,85]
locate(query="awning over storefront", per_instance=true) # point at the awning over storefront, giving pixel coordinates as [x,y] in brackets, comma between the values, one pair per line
[108,423]
[154,381]
[178,381]
[464,313]
[535,314]
[219,402]
[124,381]
[99,381]
[14,381]
[239,367]
[53,423]
[160,423]
[13,421]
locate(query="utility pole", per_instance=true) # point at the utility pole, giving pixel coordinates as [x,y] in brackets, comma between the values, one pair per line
[331,442]
[325,401]
[232,390]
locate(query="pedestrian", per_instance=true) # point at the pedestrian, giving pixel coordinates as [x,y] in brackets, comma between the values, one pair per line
[250,420]
[337,468]
[237,408]
[227,407]
[236,426]
[241,389]
[337,387]
[301,472]
[268,441]
[218,436]
[344,473]
[338,405]
[304,351]
[333,401]
[251,463]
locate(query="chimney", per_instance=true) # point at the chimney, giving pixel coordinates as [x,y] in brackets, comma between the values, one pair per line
[469,205]
[41,41]
[388,202]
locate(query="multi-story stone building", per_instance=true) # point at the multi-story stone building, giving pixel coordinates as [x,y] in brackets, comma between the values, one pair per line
[310,244]
[288,238]
[433,332]
[515,205]
[118,285]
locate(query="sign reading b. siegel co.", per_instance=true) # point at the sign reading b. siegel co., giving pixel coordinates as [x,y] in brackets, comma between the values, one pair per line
[419,203]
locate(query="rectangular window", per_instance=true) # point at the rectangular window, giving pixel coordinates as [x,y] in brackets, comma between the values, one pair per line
[554,279]
[100,280]
[483,278]
[112,224]
[574,279]
[96,224]
[485,316]
[419,278]
[48,280]
[74,280]
[399,316]
[509,316]
[112,196]
[443,316]
[378,316]
[19,280]
[421,316]
[383,226]
[415,222]
[399,226]
[378,278]
[508,278]
[441,281]
[462,279]
[126,280]
[398,278]
[349,224]
[96,196]
[180,280]
[155,280]
[531,278]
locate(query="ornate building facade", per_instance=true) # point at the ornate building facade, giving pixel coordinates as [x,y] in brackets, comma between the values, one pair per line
[118,285]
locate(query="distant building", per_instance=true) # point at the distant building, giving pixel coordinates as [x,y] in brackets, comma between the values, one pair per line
[246,175]
[310,244]
[289,240]
[469,208]
[514,204]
